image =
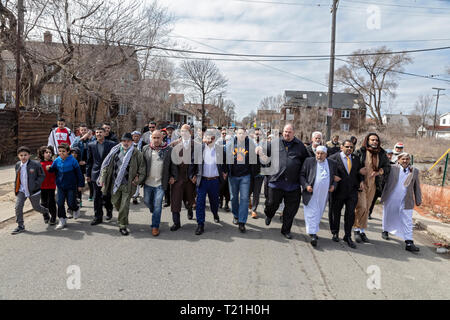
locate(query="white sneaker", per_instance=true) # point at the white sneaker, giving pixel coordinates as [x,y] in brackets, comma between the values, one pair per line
[69,214]
[76,214]
[61,224]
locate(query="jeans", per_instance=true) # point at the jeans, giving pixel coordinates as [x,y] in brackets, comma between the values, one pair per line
[70,196]
[210,187]
[153,198]
[239,191]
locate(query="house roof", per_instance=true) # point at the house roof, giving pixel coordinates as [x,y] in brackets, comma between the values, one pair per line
[341,100]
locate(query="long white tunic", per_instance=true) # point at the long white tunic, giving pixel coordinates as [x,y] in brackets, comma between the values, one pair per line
[316,206]
[396,219]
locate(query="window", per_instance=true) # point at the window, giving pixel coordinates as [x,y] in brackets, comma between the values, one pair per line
[443,121]
[57,77]
[9,96]
[345,127]
[123,109]
[10,70]
[345,114]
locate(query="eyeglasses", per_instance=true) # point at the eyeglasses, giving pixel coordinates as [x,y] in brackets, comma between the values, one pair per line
[348,147]
[152,127]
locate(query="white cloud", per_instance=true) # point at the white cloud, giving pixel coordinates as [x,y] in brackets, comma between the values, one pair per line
[249,81]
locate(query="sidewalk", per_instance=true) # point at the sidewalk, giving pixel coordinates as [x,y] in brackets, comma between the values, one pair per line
[432,226]
[6,174]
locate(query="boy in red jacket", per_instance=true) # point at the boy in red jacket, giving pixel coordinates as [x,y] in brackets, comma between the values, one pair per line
[48,187]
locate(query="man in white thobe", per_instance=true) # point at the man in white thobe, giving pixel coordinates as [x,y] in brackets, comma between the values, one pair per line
[317,179]
[401,192]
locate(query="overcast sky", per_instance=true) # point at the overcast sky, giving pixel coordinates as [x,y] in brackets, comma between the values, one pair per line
[306,23]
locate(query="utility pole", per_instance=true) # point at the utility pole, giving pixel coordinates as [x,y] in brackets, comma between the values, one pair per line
[435,110]
[331,73]
[20,22]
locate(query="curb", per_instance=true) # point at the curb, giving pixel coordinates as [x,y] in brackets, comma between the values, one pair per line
[445,237]
[13,217]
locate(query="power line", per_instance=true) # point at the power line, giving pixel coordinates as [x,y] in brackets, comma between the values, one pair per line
[300,56]
[320,42]
[264,65]
[396,5]
[405,73]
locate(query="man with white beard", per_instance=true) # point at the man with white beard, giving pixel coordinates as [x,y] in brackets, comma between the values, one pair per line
[317,179]
[401,192]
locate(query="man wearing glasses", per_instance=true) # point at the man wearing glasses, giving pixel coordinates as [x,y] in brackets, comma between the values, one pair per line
[346,193]
[147,133]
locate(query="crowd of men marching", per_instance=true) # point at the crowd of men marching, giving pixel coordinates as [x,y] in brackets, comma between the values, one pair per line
[181,167]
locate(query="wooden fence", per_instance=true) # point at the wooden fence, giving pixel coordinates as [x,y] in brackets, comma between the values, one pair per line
[34,130]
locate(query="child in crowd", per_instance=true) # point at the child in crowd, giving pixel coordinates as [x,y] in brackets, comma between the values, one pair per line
[76,153]
[68,179]
[29,177]
[48,187]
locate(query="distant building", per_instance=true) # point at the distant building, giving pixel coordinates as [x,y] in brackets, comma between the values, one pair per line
[268,119]
[307,111]
[444,120]
[402,124]
[442,131]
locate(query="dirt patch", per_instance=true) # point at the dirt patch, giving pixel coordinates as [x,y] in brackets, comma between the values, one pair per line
[7,192]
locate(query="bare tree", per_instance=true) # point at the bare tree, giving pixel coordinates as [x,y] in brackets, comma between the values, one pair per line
[423,109]
[372,76]
[272,103]
[204,78]
[101,52]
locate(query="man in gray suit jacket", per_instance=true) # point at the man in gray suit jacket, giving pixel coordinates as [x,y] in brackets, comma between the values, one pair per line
[401,192]
[317,180]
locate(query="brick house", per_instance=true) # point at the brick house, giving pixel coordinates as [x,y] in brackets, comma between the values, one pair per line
[118,94]
[307,110]
[215,116]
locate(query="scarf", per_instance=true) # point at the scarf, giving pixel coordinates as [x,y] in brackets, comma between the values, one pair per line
[410,175]
[122,169]
[159,148]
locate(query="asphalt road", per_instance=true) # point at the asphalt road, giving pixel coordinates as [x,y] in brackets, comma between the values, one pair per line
[220,264]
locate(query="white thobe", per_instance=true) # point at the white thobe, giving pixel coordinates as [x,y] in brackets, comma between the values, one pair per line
[316,206]
[396,219]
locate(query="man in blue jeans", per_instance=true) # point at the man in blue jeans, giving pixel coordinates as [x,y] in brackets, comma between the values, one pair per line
[241,165]
[159,174]
[208,176]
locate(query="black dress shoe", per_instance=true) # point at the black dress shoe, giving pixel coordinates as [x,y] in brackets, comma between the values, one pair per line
[235,220]
[350,242]
[227,208]
[200,229]
[166,205]
[242,227]
[216,218]
[175,227]
[124,231]
[268,220]
[135,201]
[335,237]
[95,222]
[358,236]
[190,214]
[108,216]
[411,247]
[385,235]
[287,235]
[370,217]
[314,240]
[364,238]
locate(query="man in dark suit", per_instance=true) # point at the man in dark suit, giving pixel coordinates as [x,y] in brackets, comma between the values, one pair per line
[349,182]
[317,180]
[208,175]
[97,152]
